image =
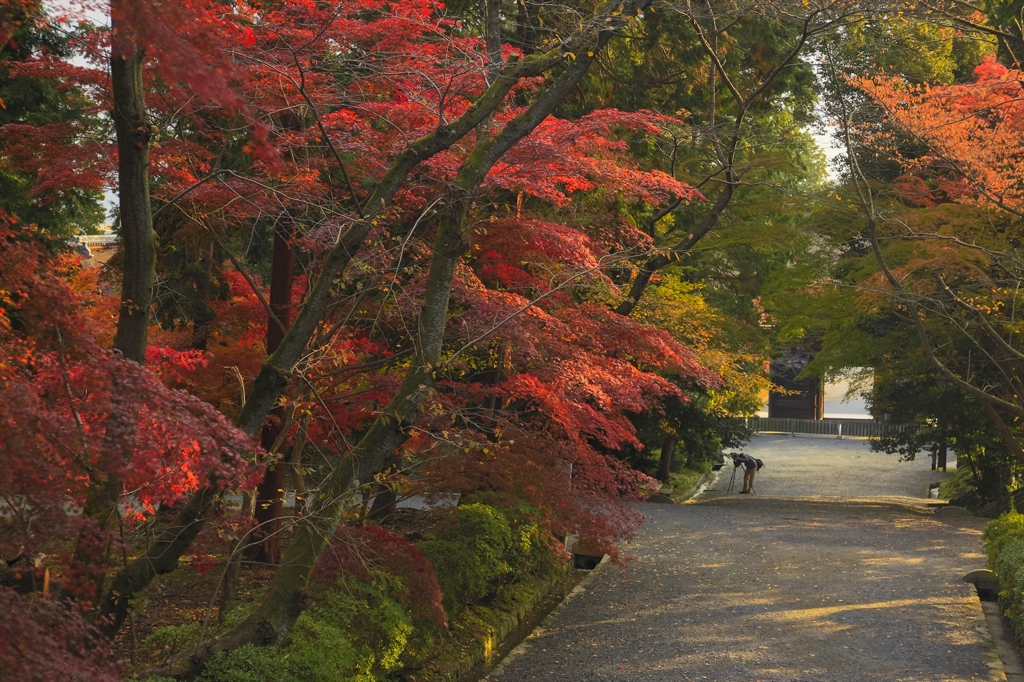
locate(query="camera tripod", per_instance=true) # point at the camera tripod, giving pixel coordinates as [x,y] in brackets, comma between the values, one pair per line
[732,482]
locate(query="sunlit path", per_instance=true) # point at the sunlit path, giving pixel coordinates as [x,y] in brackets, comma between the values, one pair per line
[828,572]
[824,467]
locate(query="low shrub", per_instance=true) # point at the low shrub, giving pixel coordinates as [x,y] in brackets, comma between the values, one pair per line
[1006,529]
[1009,566]
[354,632]
[42,640]
[375,604]
[1004,544]
[528,548]
[480,548]
[378,556]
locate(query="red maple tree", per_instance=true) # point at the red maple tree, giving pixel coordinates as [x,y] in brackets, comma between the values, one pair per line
[538,378]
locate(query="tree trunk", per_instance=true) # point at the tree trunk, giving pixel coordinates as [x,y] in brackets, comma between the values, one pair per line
[383,502]
[1005,432]
[492,37]
[668,450]
[229,588]
[160,558]
[270,494]
[271,621]
[92,549]
[138,240]
[204,285]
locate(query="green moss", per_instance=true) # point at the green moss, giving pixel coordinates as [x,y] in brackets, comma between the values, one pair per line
[680,484]
[353,632]
[960,483]
[172,639]
[248,664]
[477,632]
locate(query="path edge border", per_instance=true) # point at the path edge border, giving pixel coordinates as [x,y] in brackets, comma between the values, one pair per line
[1004,661]
[524,645]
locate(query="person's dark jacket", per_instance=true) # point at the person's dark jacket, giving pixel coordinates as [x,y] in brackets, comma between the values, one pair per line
[746,460]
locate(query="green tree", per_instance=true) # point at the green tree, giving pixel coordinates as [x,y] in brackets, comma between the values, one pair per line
[45,108]
[747,118]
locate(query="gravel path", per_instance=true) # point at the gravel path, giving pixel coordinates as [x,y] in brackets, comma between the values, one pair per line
[829,572]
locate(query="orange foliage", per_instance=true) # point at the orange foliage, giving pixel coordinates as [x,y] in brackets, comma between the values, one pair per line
[973,133]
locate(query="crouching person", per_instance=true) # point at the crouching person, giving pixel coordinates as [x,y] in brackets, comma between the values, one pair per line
[750,467]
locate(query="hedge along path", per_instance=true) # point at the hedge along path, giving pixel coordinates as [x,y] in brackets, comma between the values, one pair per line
[800,584]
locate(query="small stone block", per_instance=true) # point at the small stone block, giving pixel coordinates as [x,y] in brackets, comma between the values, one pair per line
[952,512]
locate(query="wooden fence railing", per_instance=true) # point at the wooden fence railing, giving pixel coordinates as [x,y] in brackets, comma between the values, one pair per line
[97,239]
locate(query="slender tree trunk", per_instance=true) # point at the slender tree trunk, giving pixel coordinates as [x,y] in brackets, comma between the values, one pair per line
[161,557]
[1009,439]
[492,37]
[204,290]
[524,30]
[92,549]
[383,501]
[655,263]
[138,240]
[270,623]
[726,152]
[131,126]
[668,451]
[229,589]
[270,494]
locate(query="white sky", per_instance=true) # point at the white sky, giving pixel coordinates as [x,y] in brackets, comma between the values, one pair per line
[831,149]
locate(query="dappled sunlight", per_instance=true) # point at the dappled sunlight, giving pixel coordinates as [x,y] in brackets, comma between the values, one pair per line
[815,613]
[894,560]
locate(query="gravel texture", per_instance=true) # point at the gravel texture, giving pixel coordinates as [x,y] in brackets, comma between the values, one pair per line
[831,571]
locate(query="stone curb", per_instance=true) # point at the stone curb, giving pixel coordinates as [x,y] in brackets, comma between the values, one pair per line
[524,645]
[1003,661]
[706,480]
